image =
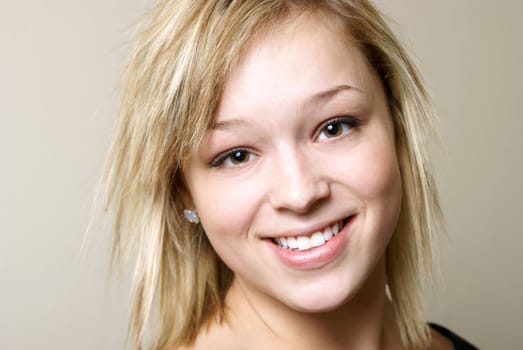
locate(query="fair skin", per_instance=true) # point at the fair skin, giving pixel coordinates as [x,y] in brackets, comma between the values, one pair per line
[303,143]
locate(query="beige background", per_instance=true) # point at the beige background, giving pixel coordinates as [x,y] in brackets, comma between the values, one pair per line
[59,62]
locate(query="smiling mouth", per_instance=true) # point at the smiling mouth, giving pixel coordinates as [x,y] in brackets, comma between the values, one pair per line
[316,239]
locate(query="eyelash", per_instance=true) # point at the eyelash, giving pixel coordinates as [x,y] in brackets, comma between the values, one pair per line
[351,123]
[222,158]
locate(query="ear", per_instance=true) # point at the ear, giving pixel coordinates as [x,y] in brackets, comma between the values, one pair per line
[187,198]
[184,193]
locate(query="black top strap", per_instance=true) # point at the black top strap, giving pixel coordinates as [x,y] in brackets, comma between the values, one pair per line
[458,342]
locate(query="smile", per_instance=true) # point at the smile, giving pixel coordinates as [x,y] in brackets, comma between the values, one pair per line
[316,239]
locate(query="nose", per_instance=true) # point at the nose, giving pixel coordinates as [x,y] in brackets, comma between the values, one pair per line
[297,183]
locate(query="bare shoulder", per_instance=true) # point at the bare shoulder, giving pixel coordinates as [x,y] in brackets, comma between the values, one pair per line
[215,337]
[439,341]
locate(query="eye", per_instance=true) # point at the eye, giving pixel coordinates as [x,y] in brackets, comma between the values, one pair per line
[233,158]
[337,127]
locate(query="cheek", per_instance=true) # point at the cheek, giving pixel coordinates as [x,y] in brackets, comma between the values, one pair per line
[225,206]
[375,181]
[374,178]
[227,210]
[377,173]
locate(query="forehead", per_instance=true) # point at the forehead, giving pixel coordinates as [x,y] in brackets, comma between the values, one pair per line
[298,57]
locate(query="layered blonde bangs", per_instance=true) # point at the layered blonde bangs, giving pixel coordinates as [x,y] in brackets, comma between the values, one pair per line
[171,87]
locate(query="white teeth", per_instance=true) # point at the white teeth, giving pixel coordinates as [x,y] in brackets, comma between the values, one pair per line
[292,243]
[317,239]
[304,243]
[328,233]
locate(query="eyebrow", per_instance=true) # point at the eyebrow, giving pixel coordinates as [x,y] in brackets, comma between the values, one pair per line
[327,94]
[226,124]
[317,97]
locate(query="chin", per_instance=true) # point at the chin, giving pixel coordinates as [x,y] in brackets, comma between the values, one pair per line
[322,298]
[334,291]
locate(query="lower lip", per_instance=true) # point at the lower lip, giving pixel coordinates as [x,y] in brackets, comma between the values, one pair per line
[314,258]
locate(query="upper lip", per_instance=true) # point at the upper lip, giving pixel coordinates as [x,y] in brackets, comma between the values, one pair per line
[308,230]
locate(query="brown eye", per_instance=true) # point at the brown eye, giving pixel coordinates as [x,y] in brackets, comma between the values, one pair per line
[233,158]
[337,127]
[238,157]
[333,129]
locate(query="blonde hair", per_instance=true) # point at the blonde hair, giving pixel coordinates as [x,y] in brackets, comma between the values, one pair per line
[171,87]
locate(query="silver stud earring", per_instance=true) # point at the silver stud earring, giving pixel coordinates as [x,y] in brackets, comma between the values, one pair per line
[191,216]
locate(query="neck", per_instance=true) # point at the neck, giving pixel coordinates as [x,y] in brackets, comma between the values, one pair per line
[365,321]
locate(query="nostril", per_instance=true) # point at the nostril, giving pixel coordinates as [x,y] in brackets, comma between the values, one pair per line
[300,199]
[297,183]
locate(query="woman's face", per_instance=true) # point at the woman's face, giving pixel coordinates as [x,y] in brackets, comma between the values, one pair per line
[302,148]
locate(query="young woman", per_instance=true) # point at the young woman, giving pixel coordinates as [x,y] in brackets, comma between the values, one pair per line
[270,173]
